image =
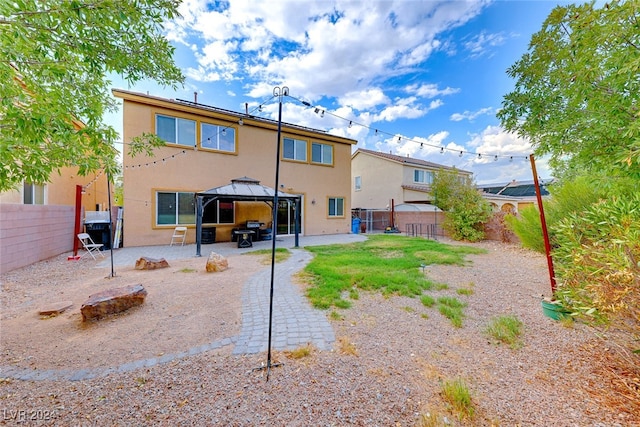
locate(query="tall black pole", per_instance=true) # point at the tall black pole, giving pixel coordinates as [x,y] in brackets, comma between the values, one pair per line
[113,273]
[279,92]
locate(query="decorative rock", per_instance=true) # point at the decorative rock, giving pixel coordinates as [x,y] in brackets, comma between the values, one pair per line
[216,262]
[55,308]
[112,301]
[145,263]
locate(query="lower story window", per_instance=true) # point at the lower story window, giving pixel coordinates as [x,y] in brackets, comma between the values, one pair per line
[175,208]
[336,206]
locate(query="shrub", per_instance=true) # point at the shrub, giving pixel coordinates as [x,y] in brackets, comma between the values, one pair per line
[598,263]
[566,199]
[466,211]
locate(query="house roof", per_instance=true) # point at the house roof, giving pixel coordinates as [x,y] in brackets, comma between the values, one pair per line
[516,188]
[244,189]
[406,160]
[222,114]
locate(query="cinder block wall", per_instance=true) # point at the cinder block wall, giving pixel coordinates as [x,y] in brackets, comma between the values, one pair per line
[32,233]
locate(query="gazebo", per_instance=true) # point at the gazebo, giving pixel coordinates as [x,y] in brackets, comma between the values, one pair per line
[243,189]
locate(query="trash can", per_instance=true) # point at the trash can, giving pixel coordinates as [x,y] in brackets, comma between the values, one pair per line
[355,225]
[208,235]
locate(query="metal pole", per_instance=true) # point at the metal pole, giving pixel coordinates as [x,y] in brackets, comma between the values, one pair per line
[279,93]
[543,222]
[113,274]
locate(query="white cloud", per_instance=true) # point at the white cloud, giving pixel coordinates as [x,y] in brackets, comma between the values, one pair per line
[318,48]
[430,90]
[364,99]
[470,115]
[482,43]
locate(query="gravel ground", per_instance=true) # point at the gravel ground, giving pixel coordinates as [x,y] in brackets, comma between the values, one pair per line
[386,367]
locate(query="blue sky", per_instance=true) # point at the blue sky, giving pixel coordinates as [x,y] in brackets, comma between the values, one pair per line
[427,75]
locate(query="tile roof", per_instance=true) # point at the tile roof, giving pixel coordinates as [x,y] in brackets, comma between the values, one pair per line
[407,160]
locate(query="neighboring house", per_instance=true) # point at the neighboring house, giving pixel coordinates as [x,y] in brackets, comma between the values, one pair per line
[382,181]
[513,196]
[208,147]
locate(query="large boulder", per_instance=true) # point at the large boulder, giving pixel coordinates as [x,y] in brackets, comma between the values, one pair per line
[112,301]
[216,262]
[145,263]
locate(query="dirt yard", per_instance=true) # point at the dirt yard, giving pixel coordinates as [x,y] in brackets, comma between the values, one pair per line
[387,366]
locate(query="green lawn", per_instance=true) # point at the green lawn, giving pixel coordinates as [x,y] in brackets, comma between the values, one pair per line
[386,263]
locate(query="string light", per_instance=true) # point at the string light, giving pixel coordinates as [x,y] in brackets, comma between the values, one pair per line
[400,138]
[350,124]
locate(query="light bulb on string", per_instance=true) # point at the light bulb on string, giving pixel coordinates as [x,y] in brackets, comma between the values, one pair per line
[350,124]
[441,150]
[460,155]
[495,159]
[479,155]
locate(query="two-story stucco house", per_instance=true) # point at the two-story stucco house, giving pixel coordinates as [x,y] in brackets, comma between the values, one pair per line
[208,147]
[384,181]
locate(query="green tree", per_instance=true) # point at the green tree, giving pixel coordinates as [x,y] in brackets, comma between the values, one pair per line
[466,211]
[577,91]
[55,58]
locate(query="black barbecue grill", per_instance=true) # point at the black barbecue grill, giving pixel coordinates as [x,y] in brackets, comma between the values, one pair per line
[255,226]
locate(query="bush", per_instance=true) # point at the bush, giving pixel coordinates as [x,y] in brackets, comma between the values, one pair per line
[566,198]
[598,262]
[466,211]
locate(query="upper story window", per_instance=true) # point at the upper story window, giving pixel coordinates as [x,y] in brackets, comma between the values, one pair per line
[175,130]
[357,183]
[336,207]
[294,149]
[322,153]
[215,137]
[422,176]
[33,194]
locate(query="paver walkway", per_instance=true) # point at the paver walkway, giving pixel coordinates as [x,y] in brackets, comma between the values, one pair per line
[295,322]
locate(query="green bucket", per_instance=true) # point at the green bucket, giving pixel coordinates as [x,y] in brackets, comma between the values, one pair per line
[555,310]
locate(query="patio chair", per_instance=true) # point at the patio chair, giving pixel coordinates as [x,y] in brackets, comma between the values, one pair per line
[90,246]
[179,236]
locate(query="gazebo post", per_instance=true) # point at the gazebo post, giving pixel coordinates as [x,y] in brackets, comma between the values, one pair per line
[297,223]
[198,223]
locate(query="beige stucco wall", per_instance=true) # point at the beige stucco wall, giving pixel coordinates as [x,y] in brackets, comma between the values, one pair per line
[381,182]
[190,170]
[61,190]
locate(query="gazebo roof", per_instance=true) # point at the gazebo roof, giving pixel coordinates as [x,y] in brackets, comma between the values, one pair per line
[244,189]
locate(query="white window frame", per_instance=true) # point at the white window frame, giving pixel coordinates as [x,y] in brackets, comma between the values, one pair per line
[298,145]
[422,176]
[323,154]
[357,183]
[336,207]
[177,139]
[211,139]
[36,190]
